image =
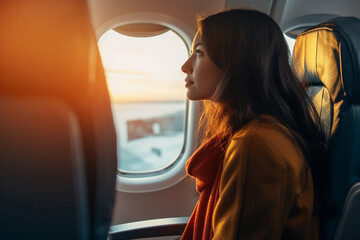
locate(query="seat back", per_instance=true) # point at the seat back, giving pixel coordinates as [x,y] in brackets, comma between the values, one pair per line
[328,55]
[55,117]
[43,185]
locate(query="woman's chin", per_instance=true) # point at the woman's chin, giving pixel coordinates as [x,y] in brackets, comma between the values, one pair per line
[193,97]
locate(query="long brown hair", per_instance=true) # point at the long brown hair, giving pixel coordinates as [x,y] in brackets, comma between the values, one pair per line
[251,50]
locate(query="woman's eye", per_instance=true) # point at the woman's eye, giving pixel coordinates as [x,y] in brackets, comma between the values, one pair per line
[198,52]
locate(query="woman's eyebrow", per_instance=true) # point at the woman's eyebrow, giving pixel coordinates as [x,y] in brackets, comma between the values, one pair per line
[194,47]
[197,44]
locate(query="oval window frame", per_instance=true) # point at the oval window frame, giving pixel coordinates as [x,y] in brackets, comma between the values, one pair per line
[135,182]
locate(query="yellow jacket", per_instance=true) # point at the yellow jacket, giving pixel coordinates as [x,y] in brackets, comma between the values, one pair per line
[266,190]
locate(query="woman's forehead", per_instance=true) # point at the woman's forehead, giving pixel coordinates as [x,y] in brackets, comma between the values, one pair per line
[197,40]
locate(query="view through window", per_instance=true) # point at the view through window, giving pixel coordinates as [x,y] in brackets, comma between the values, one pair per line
[290,42]
[147,91]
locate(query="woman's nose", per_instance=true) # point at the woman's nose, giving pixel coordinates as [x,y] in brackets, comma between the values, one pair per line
[186,67]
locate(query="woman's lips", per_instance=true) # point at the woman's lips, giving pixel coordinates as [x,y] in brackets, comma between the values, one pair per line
[188,82]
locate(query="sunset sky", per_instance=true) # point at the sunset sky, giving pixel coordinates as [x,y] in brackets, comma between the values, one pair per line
[144,69]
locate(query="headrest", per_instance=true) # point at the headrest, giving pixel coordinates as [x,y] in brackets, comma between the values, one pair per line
[329,54]
[47,48]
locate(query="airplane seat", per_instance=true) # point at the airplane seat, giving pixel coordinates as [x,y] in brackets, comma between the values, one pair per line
[57,137]
[328,56]
[43,192]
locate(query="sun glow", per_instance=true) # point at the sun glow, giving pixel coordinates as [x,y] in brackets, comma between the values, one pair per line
[144,69]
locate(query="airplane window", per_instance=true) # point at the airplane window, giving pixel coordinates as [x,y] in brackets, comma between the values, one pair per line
[147,91]
[290,42]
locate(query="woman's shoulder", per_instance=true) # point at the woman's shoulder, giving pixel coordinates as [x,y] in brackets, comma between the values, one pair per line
[266,136]
[263,129]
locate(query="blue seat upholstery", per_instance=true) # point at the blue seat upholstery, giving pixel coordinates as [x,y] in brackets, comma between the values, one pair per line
[57,137]
[43,184]
[328,55]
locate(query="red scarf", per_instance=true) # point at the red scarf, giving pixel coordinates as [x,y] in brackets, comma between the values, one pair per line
[206,166]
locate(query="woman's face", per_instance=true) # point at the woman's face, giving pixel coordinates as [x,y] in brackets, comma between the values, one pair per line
[202,74]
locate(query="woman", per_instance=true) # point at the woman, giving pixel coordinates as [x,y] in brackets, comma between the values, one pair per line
[259,170]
